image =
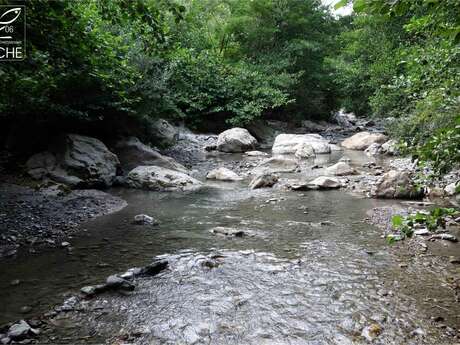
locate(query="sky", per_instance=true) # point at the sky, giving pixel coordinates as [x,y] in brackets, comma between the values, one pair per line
[340,12]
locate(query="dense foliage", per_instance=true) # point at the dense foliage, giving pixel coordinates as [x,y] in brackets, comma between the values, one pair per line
[238,60]
[205,61]
[401,60]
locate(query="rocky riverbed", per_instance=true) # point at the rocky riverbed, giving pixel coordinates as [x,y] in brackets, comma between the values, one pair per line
[269,248]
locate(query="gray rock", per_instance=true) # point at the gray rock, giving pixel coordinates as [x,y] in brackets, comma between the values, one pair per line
[324,182]
[290,143]
[390,147]
[77,161]
[223,174]
[143,219]
[160,179]
[133,153]
[5,340]
[236,140]
[230,232]
[278,164]
[362,140]
[305,151]
[451,189]
[263,180]
[344,119]
[422,232]
[164,133]
[446,237]
[373,149]
[115,282]
[340,169]
[19,330]
[396,185]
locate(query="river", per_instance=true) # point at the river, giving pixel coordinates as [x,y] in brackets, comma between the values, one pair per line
[311,271]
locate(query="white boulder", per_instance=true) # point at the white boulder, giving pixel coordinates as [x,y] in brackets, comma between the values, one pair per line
[236,140]
[160,179]
[290,143]
[362,140]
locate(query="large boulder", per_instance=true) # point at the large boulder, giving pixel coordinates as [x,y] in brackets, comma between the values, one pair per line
[262,131]
[279,164]
[266,179]
[76,160]
[362,140]
[236,140]
[164,133]
[290,143]
[397,184]
[223,174]
[340,169]
[133,153]
[160,179]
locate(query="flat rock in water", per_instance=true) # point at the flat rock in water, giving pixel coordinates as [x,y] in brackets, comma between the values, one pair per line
[230,232]
[143,219]
[325,182]
[279,164]
[223,174]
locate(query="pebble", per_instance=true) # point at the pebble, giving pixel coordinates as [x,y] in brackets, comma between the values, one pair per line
[454,260]
[372,331]
[422,232]
[446,237]
[26,309]
[143,219]
[15,282]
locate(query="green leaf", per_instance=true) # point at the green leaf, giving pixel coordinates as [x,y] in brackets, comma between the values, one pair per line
[397,221]
[340,4]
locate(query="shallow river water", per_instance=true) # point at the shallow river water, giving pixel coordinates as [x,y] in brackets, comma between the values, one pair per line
[313,272]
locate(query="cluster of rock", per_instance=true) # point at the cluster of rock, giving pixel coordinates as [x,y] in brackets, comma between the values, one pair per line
[124,281]
[84,162]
